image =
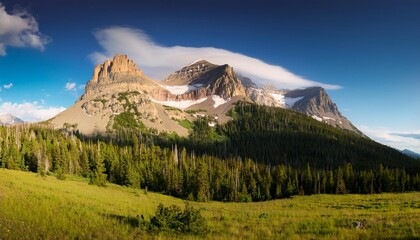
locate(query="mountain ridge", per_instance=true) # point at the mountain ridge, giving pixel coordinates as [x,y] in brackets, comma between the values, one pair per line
[411,153]
[119,86]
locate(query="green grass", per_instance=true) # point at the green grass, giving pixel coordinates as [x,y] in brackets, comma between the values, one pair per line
[169,108]
[186,123]
[35,207]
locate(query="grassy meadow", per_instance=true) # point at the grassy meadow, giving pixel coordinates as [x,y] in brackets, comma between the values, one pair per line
[36,207]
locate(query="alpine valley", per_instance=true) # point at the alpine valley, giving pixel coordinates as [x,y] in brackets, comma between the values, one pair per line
[202,134]
[208,109]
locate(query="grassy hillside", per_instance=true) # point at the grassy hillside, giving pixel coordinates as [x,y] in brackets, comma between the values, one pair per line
[35,207]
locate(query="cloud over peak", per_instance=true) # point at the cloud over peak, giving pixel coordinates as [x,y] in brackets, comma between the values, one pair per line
[159,61]
[19,29]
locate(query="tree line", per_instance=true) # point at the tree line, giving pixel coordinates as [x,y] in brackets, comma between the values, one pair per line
[133,160]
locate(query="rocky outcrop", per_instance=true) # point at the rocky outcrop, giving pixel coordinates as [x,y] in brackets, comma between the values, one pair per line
[118,75]
[209,79]
[261,96]
[191,74]
[315,101]
[120,64]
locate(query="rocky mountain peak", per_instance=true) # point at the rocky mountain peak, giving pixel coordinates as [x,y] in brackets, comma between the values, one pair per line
[120,64]
[315,102]
[190,73]
[228,84]
[118,74]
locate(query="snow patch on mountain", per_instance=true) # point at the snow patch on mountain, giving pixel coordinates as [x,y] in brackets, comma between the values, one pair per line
[196,61]
[181,89]
[218,100]
[279,98]
[328,118]
[316,118]
[291,101]
[180,104]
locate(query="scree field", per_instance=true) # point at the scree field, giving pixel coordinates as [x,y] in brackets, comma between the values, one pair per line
[36,207]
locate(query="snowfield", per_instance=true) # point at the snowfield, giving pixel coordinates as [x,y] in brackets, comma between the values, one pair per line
[181,89]
[181,104]
[218,101]
[288,102]
[317,118]
[291,101]
[279,98]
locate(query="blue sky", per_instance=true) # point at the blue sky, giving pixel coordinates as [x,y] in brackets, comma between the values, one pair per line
[370,49]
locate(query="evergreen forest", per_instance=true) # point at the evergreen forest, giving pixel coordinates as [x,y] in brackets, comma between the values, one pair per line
[262,153]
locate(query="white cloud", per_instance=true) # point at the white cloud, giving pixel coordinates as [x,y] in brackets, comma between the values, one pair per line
[19,29]
[8,86]
[30,111]
[397,139]
[159,61]
[70,86]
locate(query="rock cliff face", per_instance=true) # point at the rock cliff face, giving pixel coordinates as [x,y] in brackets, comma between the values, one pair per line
[118,86]
[191,74]
[118,75]
[316,103]
[206,79]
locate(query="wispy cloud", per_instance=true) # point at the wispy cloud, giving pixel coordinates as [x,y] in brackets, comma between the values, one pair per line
[19,29]
[30,111]
[70,86]
[408,135]
[8,86]
[396,139]
[159,61]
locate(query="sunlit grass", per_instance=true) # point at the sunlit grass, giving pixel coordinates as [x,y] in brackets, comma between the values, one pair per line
[38,207]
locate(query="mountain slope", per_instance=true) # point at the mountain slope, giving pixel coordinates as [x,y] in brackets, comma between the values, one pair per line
[281,136]
[73,209]
[118,86]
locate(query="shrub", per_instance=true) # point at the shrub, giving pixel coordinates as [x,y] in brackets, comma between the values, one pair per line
[173,219]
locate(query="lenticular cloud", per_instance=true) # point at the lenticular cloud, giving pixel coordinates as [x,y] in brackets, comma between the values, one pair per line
[159,61]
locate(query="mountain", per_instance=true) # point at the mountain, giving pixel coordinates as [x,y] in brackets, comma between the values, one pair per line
[120,95]
[119,92]
[316,103]
[9,119]
[411,153]
[313,101]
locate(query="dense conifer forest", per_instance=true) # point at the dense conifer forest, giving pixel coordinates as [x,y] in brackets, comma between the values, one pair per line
[262,153]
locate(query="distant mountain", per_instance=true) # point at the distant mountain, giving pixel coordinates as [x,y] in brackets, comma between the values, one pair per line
[9,119]
[118,87]
[313,101]
[411,153]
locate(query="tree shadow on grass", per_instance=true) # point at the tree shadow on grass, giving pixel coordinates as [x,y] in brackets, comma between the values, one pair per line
[132,221]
